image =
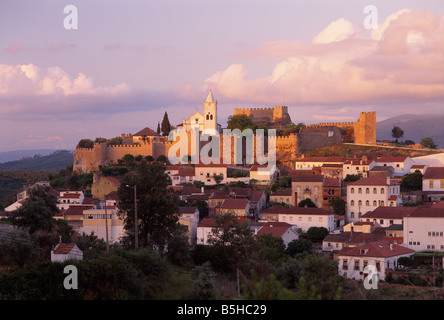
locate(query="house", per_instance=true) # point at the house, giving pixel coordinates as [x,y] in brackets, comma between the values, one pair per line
[359,167]
[331,189]
[381,171]
[264,174]
[387,216]
[240,207]
[303,218]
[418,167]
[99,220]
[16,205]
[206,226]
[69,198]
[189,217]
[307,187]
[368,194]
[279,230]
[215,202]
[354,235]
[308,163]
[433,179]
[103,185]
[258,201]
[66,251]
[206,173]
[382,255]
[183,175]
[424,229]
[332,170]
[401,165]
[74,216]
[282,196]
[146,135]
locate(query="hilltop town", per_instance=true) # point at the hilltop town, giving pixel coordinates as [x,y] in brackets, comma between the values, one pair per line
[381,210]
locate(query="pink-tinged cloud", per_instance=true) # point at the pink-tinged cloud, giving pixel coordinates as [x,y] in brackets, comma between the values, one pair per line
[402,61]
[15,48]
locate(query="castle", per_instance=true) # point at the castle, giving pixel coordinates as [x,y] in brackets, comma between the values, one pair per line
[270,117]
[148,143]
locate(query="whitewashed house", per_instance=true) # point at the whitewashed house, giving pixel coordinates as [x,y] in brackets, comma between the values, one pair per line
[424,229]
[382,256]
[66,251]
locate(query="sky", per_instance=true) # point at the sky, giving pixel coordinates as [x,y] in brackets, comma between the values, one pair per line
[128,62]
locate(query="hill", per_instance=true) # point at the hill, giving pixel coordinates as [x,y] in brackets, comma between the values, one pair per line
[7,156]
[415,128]
[53,162]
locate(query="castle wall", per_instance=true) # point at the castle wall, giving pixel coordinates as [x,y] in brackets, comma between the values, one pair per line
[311,138]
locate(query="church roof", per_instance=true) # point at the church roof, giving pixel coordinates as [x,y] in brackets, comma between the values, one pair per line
[210,97]
[146,132]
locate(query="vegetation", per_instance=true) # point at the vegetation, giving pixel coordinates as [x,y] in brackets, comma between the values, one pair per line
[52,162]
[428,143]
[397,133]
[166,126]
[412,181]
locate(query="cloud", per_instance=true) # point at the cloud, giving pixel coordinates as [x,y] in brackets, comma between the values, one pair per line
[15,48]
[400,62]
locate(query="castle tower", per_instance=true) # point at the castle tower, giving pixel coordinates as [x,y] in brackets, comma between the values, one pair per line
[365,128]
[210,112]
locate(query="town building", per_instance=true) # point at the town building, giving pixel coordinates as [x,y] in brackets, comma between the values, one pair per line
[368,194]
[401,165]
[307,187]
[66,251]
[424,229]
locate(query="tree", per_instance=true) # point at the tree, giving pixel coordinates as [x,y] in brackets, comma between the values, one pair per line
[270,248]
[179,252]
[338,205]
[37,211]
[412,181]
[158,128]
[428,143]
[155,205]
[218,178]
[85,143]
[300,245]
[351,178]
[315,234]
[166,126]
[100,140]
[397,133]
[240,122]
[128,159]
[307,203]
[232,240]
[18,248]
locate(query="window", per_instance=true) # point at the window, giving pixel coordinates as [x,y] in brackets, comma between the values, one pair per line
[360,190]
[431,184]
[352,190]
[360,203]
[352,203]
[375,204]
[211,117]
[344,264]
[320,219]
[367,190]
[382,203]
[352,215]
[208,117]
[382,191]
[390,222]
[375,191]
[378,266]
[381,222]
[367,203]
[309,218]
[357,265]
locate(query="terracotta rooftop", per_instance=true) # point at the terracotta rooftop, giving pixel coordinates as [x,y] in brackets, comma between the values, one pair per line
[276,229]
[389,213]
[77,210]
[187,210]
[321,159]
[278,209]
[422,212]
[234,204]
[358,162]
[307,178]
[391,159]
[113,180]
[434,173]
[256,195]
[377,234]
[146,132]
[380,249]
[64,248]
[370,181]
[330,182]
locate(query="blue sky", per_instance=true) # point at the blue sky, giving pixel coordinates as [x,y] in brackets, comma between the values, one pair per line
[130,61]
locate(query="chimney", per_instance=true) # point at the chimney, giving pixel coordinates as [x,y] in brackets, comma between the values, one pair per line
[351,233]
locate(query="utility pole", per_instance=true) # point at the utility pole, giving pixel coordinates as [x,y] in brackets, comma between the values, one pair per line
[136,231]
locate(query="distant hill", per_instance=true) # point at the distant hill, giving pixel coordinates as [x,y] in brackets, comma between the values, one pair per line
[415,128]
[7,156]
[55,161]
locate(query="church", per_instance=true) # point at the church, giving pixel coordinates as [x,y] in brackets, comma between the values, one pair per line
[203,121]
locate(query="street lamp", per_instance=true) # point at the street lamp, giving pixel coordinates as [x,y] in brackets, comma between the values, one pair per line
[136,231]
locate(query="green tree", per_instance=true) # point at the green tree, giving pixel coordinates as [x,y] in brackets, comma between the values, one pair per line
[231,237]
[412,181]
[179,251]
[155,205]
[240,122]
[37,211]
[85,143]
[338,205]
[428,143]
[351,178]
[128,159]
[397,133]
[315,234]
[158,128]
[298,246]
[166,126]
[307,203]
[269,248]
[218,178]
[18,248]
[204,283]
[268,288]
[114,141]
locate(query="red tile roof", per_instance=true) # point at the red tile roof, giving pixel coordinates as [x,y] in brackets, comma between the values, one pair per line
[391,159]
[283,192]
[388,213]
[113,180]
[370,181]
[256,195]
[77,210]
[434,173]
[187,210]
[427,213]
[234,204]
[330,182]
[64,248]
[358,162]
[276,229]
[146,132]
[379,249]
[296,210]
[321,159]
[307,178]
